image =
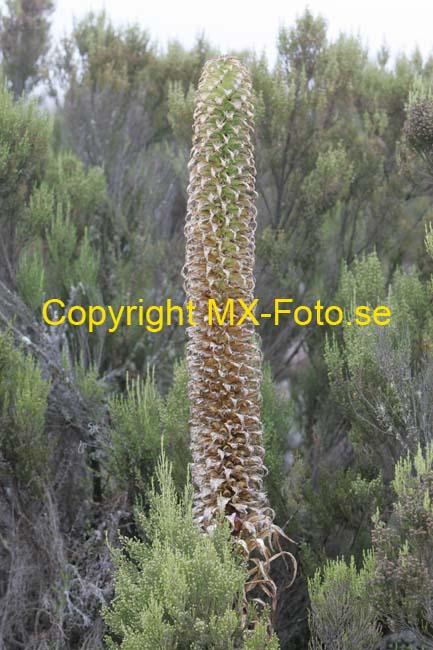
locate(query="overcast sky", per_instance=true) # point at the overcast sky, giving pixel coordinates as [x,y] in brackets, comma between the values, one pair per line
[254,23]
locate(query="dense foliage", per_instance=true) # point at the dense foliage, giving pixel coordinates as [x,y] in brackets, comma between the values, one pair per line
[181,589]
[94,144]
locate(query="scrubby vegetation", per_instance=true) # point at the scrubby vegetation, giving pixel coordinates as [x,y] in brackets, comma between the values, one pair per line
[98,543]
[180,588]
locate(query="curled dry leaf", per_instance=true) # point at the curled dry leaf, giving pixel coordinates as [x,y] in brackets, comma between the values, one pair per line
[224,360]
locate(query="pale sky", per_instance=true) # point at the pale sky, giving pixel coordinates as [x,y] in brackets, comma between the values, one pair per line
[238,24]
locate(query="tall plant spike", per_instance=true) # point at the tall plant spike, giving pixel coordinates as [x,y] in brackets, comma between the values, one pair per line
[224,361]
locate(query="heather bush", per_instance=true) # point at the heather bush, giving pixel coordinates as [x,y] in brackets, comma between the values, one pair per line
[395,584]
[418,128]
[24,138]
[135,434]
[30,275]
[180,589]
[143,418]
[174,414]
[342,616]
[380,376]
[402,580]
[24,444]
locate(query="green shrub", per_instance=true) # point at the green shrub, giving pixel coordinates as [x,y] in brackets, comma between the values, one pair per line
[362,284]
[418,128]
[180,589]
[135,434]
[84,190]
[23,403]
[38,213]
[30,275]
[61,209]
[343,510]
[143,417]
[379,376]
[342,616]
[86,269]
[61,243]
[87,383]
[402,581]
[24,135]
[175,425]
